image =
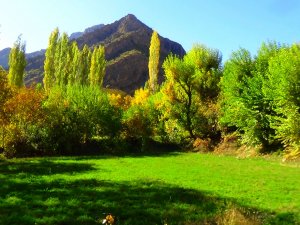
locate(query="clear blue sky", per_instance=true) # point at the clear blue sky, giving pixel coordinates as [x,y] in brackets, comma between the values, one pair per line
[222,24]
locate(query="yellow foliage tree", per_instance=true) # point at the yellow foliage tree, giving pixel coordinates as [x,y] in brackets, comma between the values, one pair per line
[153,65]
[98,64]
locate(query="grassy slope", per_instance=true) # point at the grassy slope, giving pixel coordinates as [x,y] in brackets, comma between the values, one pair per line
[170,189]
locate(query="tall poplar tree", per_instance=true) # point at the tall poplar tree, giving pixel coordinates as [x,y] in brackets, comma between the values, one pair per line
[49,65]
[74,64]
[98,64]
[17,64]
[61,60]
[154,52]
[85,65]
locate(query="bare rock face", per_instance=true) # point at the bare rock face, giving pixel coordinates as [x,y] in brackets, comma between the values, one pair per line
[126,43]
[130,77]
[77,35]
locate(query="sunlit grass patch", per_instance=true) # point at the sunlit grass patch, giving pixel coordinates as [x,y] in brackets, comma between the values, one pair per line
[166,189]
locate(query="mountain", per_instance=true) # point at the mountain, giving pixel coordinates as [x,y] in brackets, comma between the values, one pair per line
[76,35]
[35,54]
[4,54]
[126,43]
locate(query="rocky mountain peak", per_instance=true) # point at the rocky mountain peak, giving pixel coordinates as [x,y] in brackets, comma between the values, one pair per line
[126,43]
[130,23]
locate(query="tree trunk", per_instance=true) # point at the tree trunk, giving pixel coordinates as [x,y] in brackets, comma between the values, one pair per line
[188,116]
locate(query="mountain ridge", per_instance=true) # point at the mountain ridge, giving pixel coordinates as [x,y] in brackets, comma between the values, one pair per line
[126,43]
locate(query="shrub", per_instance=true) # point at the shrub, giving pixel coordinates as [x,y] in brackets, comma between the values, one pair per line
[79,115]
[25,120]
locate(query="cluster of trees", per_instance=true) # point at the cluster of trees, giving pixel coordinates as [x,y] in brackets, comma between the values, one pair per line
[260,96]
[65,64]
[200,101]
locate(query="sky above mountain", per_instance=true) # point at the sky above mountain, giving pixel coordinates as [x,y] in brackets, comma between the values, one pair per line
[222,24]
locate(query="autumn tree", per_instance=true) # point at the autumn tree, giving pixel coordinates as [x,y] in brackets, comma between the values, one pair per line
[153,65]
[17,64]
[191,89]
[98,64]
[26,117]
[136,121]
[5,94]
[49,64]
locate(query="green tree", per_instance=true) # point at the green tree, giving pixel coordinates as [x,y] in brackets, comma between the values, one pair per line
[74,64]
[17,64]
[245,105]
[283,88]
[237,70]
[154,53]
[190,88]
[49,64]
[84,65]
[98,64]
[61,60]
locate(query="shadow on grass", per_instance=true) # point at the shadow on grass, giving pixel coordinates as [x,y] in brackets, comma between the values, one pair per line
[133,149]
[37,199]
[42,167]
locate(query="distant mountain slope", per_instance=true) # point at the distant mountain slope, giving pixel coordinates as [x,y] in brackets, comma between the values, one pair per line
[126,44]
[77,35]
[4,54]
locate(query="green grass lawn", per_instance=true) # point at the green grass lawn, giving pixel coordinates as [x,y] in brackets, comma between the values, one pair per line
[183,188]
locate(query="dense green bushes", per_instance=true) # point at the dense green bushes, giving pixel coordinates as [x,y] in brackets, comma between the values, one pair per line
[77,115]
[61,122]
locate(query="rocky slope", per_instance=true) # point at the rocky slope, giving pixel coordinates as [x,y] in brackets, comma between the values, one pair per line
[4,54]
[77,35]
[126,44]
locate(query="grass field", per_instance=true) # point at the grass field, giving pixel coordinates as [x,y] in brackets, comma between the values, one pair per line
[179,188]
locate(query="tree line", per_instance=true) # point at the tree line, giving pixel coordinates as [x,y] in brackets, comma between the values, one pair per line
[200,103]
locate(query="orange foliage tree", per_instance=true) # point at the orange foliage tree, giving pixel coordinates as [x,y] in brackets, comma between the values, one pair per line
[25,117]
[5,94]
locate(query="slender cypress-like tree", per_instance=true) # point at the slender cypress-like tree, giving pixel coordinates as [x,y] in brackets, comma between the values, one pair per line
[61,60]
[49,65]
[85,65]
[154,52]
[74,64]
[17,64]
[98,64]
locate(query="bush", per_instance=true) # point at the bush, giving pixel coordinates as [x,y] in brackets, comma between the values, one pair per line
[79,115]
[25,121]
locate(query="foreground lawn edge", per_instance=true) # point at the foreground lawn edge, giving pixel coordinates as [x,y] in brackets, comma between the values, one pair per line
[166,189]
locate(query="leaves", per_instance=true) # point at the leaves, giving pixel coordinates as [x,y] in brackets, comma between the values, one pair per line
[154,53]
[191,83]
[98,64]
[17,64]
